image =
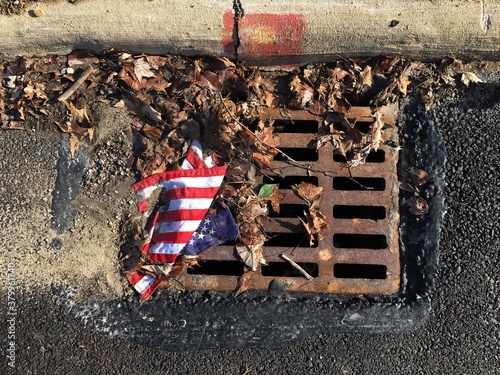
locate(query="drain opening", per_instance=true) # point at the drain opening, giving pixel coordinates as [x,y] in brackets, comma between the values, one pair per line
[289,181]
[373,157]
[359,271]
[363,127]
[300,154]
[289,210]
[359,212]
[217,267]
[345,183]
[282,269]
[290,239]
[295,126]
[361,241]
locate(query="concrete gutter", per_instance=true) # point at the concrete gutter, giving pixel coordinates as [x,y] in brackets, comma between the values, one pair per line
[263,32]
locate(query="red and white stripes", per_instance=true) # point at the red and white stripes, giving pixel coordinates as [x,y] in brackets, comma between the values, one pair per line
[144,284]
[188,194]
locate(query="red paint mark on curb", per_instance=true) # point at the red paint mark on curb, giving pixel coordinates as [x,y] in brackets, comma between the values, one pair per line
[264,34]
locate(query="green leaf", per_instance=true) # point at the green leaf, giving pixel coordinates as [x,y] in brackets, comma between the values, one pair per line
[266,190]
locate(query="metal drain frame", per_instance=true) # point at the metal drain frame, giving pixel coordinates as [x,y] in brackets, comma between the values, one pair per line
[194,319]
[328,254]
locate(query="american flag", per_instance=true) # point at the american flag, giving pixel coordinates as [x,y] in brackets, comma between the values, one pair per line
[188,194]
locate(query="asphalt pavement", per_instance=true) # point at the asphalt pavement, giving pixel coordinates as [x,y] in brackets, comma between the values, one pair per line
[460,336]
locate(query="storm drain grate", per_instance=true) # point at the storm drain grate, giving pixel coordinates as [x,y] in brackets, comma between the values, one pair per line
[359,253]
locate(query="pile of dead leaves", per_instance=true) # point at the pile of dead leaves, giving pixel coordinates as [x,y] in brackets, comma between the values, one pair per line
[175,100]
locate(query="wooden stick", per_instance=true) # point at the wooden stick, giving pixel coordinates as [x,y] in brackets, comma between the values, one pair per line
[297,267]
[76,85]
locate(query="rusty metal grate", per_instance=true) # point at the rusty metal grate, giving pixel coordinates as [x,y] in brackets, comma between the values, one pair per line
[359,253]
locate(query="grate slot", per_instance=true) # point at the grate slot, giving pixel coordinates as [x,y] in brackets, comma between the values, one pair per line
[289,210]
[282,269]
[359,212]
[299,154]
[359,271]
[217,267]
[373,157]
[288,181]
[292,240]
[295,126]
[372,183]
[359,241]
[363,127]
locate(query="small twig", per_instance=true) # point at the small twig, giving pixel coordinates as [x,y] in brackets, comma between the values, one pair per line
[297,267]
[296,247]
[76,85]
[181,284]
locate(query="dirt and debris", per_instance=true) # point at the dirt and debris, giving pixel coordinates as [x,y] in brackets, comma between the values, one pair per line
[166,102]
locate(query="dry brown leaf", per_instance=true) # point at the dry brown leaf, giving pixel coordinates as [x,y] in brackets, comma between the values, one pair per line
[468,77]
[152,166]
[251,255]
[175,271]
[152,132]
[376,130]
[316,221]
[354,134]
[339,73]
[418,176]
[403,82]
[253,210]
[359,155]
[267,137]
[308,192]
[156,61]
[316,108]
[276,198]
[385,65]
[74,143]
[345,145]
[142,69]
[365,77]
[417,206]
[301,93]
[79,116]
[244,282]
[251,234]
[260,85]
[262,160]
[270,100]
[340,105]
[157,82]
[157,269]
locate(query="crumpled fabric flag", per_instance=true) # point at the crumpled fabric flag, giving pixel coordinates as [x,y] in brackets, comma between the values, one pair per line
[215,229]
[175,227]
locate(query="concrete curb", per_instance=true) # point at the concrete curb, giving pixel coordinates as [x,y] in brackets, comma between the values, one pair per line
[322,29]
[173,26]
[264,32]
